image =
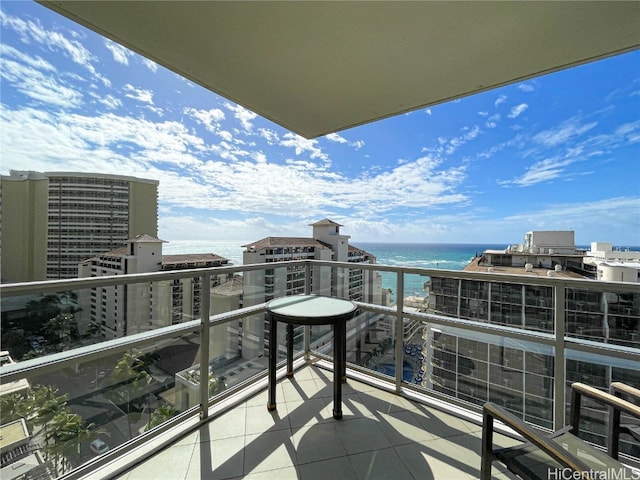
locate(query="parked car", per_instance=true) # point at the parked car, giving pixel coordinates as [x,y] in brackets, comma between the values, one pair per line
[99,446]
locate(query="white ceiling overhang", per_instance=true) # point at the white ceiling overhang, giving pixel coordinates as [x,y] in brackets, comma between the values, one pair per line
[321,67]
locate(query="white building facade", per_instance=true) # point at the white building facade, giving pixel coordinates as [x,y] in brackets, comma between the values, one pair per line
[613,265]
[326,243]
[126,310]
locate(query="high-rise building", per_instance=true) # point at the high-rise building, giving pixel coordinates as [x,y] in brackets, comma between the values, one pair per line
[476,367]
[52,221]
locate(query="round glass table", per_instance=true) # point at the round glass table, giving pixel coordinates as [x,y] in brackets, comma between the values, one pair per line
[310,310]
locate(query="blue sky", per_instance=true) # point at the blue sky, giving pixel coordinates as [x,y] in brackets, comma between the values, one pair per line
[559,152]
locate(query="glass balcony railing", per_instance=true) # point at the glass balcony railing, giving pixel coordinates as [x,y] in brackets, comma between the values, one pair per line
[95,367]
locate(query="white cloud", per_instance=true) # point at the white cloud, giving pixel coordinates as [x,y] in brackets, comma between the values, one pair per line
[36,62]
[500,100]
[39,86]
[450,145]
[259,157]
[120,53]
[334,137]
[622,216]
[526,87]
[140,94]
[428,111]
[269,135]
[567,131]
[495,117]
[225,135]
[108,101]
[243,115]
[52,40]
[151,65]
[518,110]
[209,118]
[630,131]
[302,145]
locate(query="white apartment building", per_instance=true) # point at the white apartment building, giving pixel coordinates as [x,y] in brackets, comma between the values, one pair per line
[52,221]
[125,310]
[326,243]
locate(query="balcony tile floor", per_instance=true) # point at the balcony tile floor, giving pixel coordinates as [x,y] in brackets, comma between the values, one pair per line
[381,436]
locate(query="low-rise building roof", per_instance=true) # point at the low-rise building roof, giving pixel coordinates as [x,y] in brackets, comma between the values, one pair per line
[476,266]
[276,242]
[193,260]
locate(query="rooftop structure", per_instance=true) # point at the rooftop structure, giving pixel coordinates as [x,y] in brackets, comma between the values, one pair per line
[613,265]
[555,253]
[19,386]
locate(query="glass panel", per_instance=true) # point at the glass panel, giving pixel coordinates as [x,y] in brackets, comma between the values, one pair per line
[383,288]
[237,352]
[370,342]
[35,325]
[38,325]
[600,371]
[476,367]
[75,413]
[539,304]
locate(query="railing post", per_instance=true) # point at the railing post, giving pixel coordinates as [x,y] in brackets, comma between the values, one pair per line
[398,330]
[204,345]
[559,365]
[306,336]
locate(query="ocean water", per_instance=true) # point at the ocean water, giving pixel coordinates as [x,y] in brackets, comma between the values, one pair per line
[448,256]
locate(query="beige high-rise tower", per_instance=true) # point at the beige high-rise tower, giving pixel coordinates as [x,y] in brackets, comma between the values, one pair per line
[52,221]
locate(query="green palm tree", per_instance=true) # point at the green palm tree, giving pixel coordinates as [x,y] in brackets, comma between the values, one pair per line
[131,373]
[47,405]
[58,433]
[160,415]
[67,433]
[14,406]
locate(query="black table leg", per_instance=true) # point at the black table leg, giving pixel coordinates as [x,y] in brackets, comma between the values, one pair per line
[273,353]
[343,352]
[289,350]
[338,367]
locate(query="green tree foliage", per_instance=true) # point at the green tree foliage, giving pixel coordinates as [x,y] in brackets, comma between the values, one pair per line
[65,436]
[160,415]
[40,311]
[63,327]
